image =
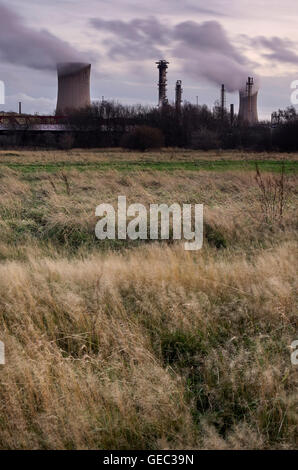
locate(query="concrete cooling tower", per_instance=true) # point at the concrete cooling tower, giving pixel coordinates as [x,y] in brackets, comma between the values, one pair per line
[248,107]
[73,86]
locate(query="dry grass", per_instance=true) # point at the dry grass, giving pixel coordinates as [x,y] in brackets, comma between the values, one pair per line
[106,155]
[146,346]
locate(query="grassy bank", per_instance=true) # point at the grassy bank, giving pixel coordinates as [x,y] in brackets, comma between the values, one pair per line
[167,160]
[143,345]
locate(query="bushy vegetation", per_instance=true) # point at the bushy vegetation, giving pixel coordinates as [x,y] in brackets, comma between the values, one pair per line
[142,138]
[285,136]
[110,124]
[112,345]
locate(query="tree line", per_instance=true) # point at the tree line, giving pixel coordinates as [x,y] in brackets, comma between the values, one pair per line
[111,124]
[193,126]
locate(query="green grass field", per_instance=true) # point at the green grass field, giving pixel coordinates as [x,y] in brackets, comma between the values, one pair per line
[127,166]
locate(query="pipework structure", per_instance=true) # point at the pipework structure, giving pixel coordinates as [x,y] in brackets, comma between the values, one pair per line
[248,107]
[178,96]
[162,66]
[73,86]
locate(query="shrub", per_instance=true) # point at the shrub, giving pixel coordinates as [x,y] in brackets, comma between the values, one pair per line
[273,195]
[180,347]
[143,138]
[66,141]
[205,139]
[285,137]
[215,237]
[50,139]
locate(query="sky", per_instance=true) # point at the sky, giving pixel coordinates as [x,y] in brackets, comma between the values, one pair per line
[206,43]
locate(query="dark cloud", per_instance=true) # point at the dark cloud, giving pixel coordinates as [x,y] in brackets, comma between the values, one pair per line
[216,8]
[203,49]
[135,39]
[22,45]
[208,36]
[206,51]
[281,49]
[136,29]
[203,11]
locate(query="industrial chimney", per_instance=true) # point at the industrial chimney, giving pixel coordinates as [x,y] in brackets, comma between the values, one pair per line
[222,101]
[248,107]
[73,86]
[178,96]
[162,66]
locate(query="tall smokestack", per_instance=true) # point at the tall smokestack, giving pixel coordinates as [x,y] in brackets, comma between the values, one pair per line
[178,96]
[222,101]
[248,107]
[73,86]
[162,66]
[20,107]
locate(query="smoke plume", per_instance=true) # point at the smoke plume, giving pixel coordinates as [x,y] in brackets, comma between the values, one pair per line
[22,45]
[281,50]
[136,39]
[206,51]
[203,49]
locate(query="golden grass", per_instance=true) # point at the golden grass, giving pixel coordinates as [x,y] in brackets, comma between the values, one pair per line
[149,346]
[85,366]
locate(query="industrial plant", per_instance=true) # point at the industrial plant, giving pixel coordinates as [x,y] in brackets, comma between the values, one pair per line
[248,108]
[74,94]
[180,122]
[73,87]
[162,66]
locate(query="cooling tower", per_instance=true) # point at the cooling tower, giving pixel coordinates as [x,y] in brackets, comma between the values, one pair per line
[73,86]
[248,107]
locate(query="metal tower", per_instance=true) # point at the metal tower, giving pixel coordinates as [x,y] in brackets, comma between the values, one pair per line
[162,66]
[249,85]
